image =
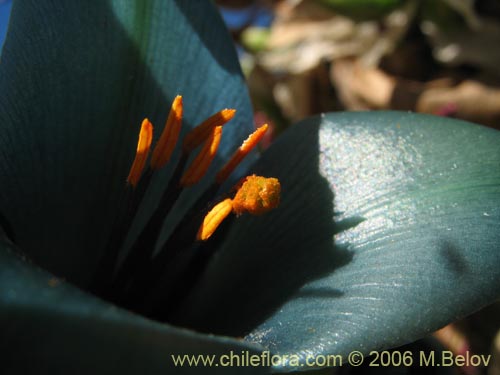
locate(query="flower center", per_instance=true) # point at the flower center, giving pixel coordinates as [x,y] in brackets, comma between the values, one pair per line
[153,284]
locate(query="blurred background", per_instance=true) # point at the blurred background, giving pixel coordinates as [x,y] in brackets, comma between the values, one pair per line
[304,57]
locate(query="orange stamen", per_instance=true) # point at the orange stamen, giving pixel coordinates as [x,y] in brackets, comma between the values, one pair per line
[168,139]
[257,195]
[200,164]
[240,153]
[198,135]
[213,219]
[143,147]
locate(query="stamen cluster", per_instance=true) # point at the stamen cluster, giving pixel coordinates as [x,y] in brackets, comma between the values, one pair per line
[136,282]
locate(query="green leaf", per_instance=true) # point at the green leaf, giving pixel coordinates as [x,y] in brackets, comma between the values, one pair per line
[76,80]
[387,230]
[49,326]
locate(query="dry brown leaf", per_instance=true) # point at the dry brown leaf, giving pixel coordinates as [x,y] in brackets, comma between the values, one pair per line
[361,88]
[472,101]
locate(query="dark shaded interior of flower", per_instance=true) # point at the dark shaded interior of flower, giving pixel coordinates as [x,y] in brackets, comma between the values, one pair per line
[138,282]
[6,228]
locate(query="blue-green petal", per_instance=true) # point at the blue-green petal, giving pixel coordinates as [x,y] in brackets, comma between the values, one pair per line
[76,80]
[50,327]
[4,19]
[387,230]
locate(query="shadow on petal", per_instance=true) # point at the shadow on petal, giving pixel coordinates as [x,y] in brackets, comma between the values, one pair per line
[266,260]
[452,257]
[50,327]
[425,254]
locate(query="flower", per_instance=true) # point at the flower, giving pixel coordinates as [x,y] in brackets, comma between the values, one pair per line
[385,229]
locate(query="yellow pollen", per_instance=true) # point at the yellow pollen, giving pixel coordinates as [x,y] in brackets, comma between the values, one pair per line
[257,195]
[247,146]
[213,219]
[202,161]
[168,139]
[200,133]
[143,147]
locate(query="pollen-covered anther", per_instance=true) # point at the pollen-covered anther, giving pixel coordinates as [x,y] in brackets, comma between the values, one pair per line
[168,139]
[257,195]
[141,156]
[247,146]
[202,161]
[201,132]
[213,219]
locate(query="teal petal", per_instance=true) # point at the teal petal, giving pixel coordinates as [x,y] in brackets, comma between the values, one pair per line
[387,230]
[76,80]
[51,327]
[4,19]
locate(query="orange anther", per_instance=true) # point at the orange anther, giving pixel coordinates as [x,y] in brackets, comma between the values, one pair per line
[168,139]
[143,147]
[200,133]
[202,161]
[213,219]
[257,195]
[247,146]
